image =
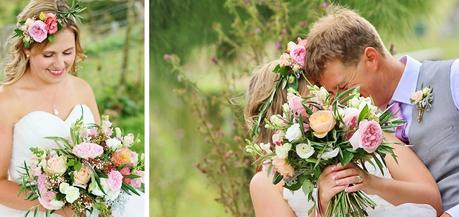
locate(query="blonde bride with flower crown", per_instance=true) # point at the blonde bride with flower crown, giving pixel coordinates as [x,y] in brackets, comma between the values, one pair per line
[40,97]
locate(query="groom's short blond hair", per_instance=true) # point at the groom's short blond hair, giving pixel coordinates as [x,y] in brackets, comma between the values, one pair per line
[341,34]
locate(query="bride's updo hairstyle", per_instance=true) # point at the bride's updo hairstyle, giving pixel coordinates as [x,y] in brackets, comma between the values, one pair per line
[18,62]
[260,88]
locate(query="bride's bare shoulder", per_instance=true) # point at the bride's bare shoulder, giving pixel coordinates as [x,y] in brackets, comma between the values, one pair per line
[9,104]
[82,86]
[262,181]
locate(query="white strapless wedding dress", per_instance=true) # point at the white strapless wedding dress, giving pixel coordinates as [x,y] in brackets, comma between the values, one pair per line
[31,130]
[299,203]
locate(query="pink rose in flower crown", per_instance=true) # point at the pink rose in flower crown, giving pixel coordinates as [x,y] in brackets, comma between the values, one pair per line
[114,180]
[88,150]
[369,136]
[295,104]
[51,23]
[298,54]
[124,156]
[38,31]
[282,167]
[278,137]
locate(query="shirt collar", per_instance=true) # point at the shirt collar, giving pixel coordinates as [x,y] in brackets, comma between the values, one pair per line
[408,82]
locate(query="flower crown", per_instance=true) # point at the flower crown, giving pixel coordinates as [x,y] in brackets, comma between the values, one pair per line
[46,25]
[290,70]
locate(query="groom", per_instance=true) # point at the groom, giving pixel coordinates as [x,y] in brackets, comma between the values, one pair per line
[344,50]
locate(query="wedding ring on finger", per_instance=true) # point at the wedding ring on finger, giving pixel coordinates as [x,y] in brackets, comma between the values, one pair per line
[359,179]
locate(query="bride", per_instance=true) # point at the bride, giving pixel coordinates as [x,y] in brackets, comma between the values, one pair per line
[40,97]
[396,194]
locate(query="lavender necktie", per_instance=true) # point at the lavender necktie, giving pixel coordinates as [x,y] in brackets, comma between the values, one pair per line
[400,130]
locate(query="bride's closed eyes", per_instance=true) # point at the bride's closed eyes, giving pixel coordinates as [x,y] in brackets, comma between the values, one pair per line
[48,54]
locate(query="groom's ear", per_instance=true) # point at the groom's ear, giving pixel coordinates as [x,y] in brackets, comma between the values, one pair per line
[371,58]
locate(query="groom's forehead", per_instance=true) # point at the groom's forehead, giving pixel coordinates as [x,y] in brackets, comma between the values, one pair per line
[332,75]
[333,68]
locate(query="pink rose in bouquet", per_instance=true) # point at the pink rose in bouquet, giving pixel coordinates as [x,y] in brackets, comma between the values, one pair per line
[296,105]
[369,136]
[114,180]
[82,176]
[55,165]
[88,150]
[351,117]
[124,156]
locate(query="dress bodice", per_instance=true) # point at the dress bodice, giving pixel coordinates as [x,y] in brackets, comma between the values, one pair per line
[33,128]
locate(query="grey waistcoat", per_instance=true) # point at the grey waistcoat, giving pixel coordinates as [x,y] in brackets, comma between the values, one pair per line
[436,139]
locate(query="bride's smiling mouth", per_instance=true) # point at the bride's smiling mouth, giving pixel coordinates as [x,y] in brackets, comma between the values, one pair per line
[56,72]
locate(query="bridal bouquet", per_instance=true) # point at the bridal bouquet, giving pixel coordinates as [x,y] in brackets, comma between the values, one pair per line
[320,130]
[94,169]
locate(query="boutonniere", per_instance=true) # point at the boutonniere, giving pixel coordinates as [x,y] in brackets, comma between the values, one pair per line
[422,99]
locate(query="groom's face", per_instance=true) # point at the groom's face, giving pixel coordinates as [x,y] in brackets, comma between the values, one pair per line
[337,76]
[366,74]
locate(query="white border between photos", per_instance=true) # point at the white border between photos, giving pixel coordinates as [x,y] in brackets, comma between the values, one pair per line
[147,105]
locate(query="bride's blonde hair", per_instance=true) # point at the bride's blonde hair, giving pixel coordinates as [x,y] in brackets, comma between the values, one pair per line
[261,85]
[18,62]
